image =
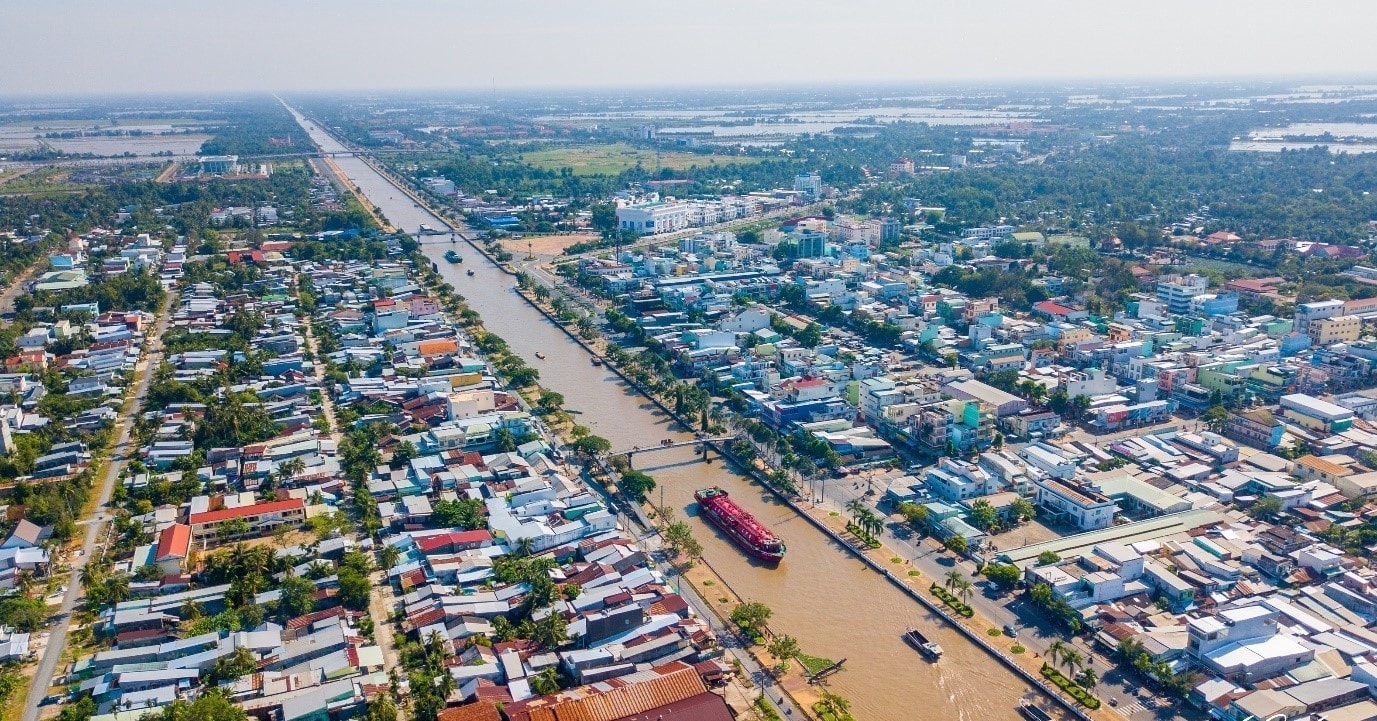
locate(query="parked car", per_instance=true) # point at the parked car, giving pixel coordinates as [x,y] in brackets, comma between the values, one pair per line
[1010,630]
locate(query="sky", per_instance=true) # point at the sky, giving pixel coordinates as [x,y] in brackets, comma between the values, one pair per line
[132,46]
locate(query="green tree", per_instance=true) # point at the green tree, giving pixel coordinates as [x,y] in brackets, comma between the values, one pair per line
[751,616]
[1047,558]
[1215,417]
[550,401]
[1021,509]
[810,336]
[679,536]
[983,515]
[916,515]
[297,596]
[381,708]
[353,589]
[1265,509]
[783,648]
[591,445]
[233,666]
[955,544]
[1006,575]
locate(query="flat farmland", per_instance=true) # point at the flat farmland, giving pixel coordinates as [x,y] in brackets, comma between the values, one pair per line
[613,159]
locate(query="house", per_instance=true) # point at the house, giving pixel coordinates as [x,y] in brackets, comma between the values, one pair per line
[27,534]
[174,545]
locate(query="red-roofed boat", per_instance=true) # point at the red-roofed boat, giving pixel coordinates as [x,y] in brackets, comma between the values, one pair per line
[741,526]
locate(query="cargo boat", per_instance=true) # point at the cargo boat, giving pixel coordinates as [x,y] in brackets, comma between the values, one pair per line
[1032,712]
[742,527]
[928,648]
[453,257]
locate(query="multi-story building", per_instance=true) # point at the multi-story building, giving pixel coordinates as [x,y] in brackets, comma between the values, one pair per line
[1307,313]
[1177,291]
[1316,414]
[653,218]
[1080,505]
[955,481]
[1337,329]
[1243,644]
[810,183]
[257,518]
[1258,428]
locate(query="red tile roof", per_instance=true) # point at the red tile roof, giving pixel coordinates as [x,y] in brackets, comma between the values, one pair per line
[448,541]
[294,504]
[477,711]
[174,542]
[1051,308]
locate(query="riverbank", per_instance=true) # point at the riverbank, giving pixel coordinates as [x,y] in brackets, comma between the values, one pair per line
[836,608]
[881,560]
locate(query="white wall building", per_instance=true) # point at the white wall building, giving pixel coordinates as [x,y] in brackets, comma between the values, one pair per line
[654,218]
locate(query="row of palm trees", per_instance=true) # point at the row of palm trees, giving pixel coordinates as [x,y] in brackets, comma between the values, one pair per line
[959,585]
[1070,658]
[865,519]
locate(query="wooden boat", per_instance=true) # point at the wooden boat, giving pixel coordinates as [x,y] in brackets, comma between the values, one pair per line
[540,355]
[470,271]
[930,650]
[597,362]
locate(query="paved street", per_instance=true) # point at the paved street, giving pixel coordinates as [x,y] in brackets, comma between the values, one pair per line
[1035,631]
[119,452]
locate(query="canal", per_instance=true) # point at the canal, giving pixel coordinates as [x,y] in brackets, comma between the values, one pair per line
[829,601]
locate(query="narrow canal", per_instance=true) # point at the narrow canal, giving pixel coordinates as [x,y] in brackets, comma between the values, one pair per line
[830,602]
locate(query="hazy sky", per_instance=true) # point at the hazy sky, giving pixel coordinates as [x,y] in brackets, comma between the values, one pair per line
[63,46]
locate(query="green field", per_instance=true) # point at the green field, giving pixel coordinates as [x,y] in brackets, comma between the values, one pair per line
[613,159]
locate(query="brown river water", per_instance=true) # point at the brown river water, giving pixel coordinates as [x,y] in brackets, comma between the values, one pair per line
[828,600]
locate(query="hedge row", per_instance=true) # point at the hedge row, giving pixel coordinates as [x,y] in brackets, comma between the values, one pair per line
[960,608]
[1085,698]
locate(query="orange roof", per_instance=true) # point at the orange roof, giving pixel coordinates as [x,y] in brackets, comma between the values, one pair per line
[294,504]
[627,696]
[435,347]
[477,711]
[1322,465]
[174,542]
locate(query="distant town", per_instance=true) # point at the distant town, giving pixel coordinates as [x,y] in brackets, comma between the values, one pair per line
[517,410]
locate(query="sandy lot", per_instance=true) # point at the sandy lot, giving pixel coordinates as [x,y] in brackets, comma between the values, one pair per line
[545,245]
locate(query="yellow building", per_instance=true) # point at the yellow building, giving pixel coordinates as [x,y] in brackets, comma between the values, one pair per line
[1338,329]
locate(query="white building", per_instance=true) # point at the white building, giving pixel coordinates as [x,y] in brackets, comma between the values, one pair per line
[1177,291]
[654,218]
[1081,506]
[810,183]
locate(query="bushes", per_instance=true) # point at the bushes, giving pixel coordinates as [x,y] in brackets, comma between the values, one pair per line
[956,604]
[1083,697]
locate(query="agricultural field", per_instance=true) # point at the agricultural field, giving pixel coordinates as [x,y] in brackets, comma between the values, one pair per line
[613,159]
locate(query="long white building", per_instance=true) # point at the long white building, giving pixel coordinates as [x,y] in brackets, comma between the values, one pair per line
[654,218]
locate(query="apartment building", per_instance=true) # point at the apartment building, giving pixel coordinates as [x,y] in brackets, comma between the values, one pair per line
[1338,329]
[1080,505]
[1177,291]
[260,517]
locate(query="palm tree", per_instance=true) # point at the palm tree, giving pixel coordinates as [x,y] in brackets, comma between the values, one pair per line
[854,507]
[1089,679]
[388,556]
[24,578]
[1072,659]
[524,546]
[963,590]
[1055,651]
[953,578]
